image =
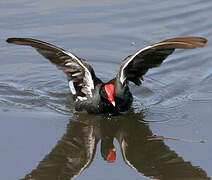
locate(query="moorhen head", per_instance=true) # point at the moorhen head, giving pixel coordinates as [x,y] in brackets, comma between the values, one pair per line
[89,92]
[108,150]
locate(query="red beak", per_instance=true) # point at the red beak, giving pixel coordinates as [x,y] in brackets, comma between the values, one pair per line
[109,88]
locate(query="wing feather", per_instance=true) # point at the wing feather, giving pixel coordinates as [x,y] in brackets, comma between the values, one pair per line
[135,66]
[78,71]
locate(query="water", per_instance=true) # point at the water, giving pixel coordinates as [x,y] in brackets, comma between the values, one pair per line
[38,125]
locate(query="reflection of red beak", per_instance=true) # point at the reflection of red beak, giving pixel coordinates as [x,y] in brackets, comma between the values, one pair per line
[111,158]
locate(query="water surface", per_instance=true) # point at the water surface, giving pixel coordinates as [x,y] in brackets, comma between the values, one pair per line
[37,120]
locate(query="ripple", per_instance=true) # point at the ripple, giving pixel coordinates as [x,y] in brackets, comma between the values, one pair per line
[201,96]
[156,117]
[15,95]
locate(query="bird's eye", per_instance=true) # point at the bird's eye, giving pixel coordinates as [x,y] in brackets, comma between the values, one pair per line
[103,91]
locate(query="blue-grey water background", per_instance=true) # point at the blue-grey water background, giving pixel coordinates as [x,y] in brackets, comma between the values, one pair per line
[34,95]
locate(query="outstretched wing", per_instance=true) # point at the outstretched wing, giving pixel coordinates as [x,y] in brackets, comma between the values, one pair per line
[72,154]
[153,159]
[80,74]
[135,66]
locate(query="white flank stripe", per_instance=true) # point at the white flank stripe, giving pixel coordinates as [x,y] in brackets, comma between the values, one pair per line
[71,86]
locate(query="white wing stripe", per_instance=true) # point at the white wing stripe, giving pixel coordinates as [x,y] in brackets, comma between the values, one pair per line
[71,64]
[77,74]
[122,77]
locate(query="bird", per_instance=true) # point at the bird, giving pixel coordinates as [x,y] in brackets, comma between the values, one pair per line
[93,95]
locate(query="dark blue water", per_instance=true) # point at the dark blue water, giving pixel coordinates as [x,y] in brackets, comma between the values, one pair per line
[37,120]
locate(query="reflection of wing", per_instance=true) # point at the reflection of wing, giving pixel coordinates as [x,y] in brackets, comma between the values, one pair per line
[72,154]
[153,159]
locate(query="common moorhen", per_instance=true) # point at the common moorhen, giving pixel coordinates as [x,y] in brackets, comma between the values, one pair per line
[95,96]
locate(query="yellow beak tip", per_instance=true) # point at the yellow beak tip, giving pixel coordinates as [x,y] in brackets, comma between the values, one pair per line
[113,103]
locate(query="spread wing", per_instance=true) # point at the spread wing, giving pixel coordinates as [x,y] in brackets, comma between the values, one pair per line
[153,159]
[135,66]
[80,74]
[72,154]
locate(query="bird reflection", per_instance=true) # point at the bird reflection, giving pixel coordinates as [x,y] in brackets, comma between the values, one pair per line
[76,150]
